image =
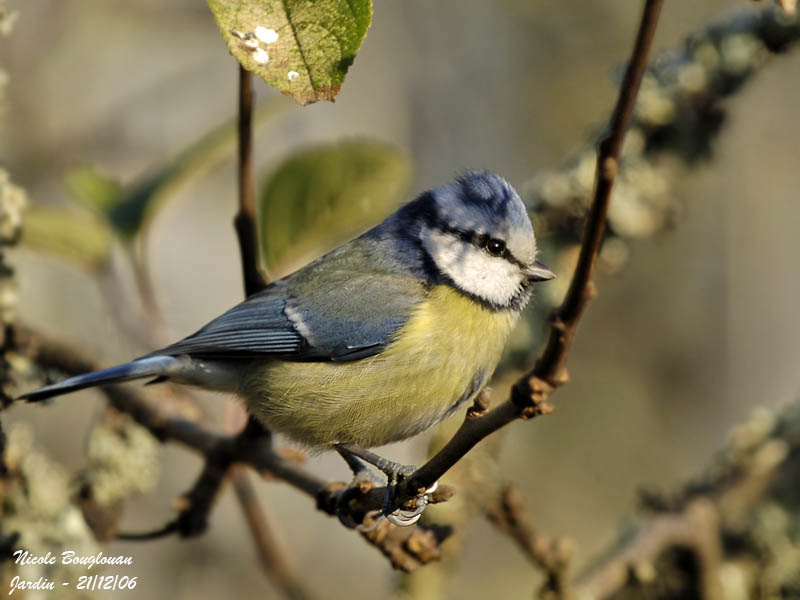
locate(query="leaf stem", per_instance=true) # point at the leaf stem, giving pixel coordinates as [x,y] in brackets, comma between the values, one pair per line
[244,222]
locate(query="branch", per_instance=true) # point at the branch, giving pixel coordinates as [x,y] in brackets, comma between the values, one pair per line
[275,566]
[530,395]
[695,528]
[553,556]
[715,518]
[716,522]
[244,222]
[272,556]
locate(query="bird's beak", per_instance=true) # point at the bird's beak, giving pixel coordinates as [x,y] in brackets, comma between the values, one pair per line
[539,272]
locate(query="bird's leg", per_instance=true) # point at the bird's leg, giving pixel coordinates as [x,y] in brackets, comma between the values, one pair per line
[395,472]
[361,474]
[356,466]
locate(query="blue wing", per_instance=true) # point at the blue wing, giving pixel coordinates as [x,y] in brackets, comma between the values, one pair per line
[330,310]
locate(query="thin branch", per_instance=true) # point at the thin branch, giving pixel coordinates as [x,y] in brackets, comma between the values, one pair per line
[275,565]
[408,547]
[530,395]
[699,521]
[695,528]
[196,504]
[273,559]
[550,367]
[244,222]
[509,514]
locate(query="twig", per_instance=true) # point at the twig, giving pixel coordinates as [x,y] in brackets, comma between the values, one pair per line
[529,396]
[195,506]
[408,547]
[698,523]
[275,565]
[695,528]
[244,222]
[273,559]
[509,514]
[550,366]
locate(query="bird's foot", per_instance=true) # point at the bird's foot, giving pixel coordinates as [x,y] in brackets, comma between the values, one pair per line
[395,474]
[405,517]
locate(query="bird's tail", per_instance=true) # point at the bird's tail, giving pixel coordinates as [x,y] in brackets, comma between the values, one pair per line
[150,366]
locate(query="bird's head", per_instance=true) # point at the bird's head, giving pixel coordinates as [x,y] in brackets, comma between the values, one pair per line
[477,234]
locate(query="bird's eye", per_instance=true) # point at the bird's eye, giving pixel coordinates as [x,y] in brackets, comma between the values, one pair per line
[495,247]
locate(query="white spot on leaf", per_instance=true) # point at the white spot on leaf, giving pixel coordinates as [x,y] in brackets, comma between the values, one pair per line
[292,75]
[268,36]
[261,56]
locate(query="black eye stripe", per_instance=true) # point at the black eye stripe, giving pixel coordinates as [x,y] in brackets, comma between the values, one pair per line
[512,259]
[479,240]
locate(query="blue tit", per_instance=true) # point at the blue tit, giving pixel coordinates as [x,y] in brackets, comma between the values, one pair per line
[377,340]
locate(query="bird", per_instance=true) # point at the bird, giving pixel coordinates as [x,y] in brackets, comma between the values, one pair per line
[375,341]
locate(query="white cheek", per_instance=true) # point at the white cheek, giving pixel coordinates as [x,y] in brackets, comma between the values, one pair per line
[473,270]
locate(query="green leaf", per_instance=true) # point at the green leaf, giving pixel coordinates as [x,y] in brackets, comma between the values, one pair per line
[302,48]
[75,235]
[128,208]
[96,191]
[322,196]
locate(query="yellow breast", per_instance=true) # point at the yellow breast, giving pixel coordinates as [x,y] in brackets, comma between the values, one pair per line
[443,356]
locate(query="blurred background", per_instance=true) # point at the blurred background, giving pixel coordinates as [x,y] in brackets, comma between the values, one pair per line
[694,327]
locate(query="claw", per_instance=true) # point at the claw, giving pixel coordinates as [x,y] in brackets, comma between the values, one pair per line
[375,516]
[403,517]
